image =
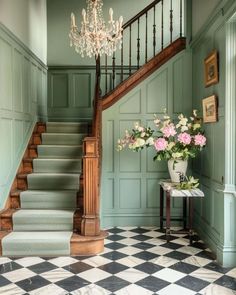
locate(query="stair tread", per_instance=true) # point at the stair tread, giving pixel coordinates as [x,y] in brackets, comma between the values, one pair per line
[44,212]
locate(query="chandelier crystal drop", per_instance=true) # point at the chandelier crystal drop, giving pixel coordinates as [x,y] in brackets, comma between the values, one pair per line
[95,38]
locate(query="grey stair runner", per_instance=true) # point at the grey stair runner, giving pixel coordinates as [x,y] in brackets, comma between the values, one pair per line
[44,224]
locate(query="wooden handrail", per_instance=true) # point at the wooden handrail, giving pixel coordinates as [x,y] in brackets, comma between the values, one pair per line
[140,14]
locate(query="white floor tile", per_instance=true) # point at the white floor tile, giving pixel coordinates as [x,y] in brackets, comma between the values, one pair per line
[91,290]
[63,261]
[97,261]
[130,261]
[176,290]
[56,275]
[11,289]
[132,275]
[49,289]
[94,275]
[133,290]
[169,275]
[19,275]
[206,275]
[29,261]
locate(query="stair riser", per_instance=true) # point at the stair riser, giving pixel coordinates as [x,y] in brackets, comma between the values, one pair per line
[60,128]
[7,224]
[55,182]
[31,204]
[59,139]
[59,152]
[57,166]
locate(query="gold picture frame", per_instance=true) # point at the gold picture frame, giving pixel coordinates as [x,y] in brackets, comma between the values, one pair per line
[211,69]
[210,109]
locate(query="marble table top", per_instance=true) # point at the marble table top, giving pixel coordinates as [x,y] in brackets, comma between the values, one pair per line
[169,186]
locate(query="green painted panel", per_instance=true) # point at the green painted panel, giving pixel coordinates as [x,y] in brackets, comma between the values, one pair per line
[178,76]
[110,142]
[128,161]
[59,94]
[157,92]
[207,205]
[130,193]
[26,85]
[33,82]
[153,193]
[18,136]
[6,77]
[219,149]
[218,204]
[6,148]
[109,203]
[17,84]
[132,104]
[82,90]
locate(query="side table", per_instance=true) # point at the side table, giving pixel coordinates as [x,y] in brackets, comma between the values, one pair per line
[169,189]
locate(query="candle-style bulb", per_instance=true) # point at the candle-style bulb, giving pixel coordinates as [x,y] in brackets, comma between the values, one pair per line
[84,15]
[73,20]
[111,14]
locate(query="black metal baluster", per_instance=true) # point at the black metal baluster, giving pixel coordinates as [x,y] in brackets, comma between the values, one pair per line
[122,61]
[106,73]
[171,21]
[181,18]
[138,45]
[130,49]
[154,30]
[113,70]
[162,25]
[146,38]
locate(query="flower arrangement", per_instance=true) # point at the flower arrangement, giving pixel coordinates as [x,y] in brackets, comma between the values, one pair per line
[179,141]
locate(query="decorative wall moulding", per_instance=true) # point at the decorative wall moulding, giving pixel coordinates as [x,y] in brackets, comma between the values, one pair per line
[210,109]
[211,69]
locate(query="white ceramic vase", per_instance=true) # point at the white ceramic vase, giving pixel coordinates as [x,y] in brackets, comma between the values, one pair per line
[176,167]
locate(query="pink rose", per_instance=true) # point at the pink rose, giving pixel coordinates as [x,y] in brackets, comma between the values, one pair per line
[160,144]
[169,130]
[184,138]
[199,139]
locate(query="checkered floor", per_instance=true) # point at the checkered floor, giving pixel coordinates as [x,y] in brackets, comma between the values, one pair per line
[136,261]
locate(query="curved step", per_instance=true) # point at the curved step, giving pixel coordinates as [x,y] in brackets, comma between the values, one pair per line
[43,220]
[53,181]
[57,165]
[60,151]
[62,138]
[54,199]
[63,127]
[36,244]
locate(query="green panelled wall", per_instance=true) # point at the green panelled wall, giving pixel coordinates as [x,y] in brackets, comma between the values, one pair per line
[70,93]
[23,101]
[213,220]
[130,190]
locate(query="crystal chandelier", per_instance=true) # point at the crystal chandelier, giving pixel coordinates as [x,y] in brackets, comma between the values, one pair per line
[95,38]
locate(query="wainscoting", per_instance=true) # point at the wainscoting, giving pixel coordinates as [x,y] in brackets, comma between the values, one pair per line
[130,190]
[23,101]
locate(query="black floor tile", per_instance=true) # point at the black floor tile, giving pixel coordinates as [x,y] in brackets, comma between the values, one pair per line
[152,283]
[115,246]
[9,266]
[184,267]
[227,282]
[114,255]
[113,267]
[192,283]
[112,284]
[177,255]
[146,255]
[148,267]
[33,283]
[72,283]
[42,267]
[78,267]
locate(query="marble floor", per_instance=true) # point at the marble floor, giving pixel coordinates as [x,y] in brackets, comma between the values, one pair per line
[136,261]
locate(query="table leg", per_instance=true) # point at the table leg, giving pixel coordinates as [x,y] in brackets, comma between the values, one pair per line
[191,220]
[168,216]
[185,212]
[161,207]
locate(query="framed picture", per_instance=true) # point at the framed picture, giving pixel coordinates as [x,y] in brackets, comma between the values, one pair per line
[210,109]
[211,69]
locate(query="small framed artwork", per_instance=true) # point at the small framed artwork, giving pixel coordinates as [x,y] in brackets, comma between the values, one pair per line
[211,69]
[210,109]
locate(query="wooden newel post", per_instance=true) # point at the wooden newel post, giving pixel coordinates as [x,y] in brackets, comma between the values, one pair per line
[90,220]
